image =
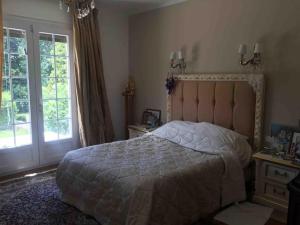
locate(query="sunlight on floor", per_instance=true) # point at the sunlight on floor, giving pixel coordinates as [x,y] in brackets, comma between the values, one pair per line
[31,175]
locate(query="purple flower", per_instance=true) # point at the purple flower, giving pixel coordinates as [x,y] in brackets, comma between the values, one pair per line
[170,84]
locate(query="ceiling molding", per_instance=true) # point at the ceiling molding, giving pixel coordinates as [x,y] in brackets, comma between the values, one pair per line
[132,7]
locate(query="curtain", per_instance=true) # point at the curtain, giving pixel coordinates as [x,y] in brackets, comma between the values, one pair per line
[95,124]
[1,50]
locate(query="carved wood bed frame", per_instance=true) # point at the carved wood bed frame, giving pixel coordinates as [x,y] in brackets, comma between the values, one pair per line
[235,101]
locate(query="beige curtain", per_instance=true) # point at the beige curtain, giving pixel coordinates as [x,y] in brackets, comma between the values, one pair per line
[1,50]
[95,124]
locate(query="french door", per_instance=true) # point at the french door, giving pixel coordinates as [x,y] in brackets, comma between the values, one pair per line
[38,123]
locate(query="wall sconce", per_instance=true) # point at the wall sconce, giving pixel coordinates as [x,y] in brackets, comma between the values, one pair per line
[256,58]
[177,63]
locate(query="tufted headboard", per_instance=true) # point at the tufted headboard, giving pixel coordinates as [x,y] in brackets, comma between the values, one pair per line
[234,101]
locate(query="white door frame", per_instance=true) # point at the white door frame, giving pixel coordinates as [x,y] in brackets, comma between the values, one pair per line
[52,152]
[39,154]
[24,157]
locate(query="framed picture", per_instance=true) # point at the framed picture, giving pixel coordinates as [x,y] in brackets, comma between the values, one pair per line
[151,117]
[295,147]
[156,113]
[145,118]
[282,135]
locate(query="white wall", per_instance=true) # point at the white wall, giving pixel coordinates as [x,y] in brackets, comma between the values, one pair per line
[209,33]
[114,39]
[38,9]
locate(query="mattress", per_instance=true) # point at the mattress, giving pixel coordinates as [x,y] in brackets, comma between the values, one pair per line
[151,180]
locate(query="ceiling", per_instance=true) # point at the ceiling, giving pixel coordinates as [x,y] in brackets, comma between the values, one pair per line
[138,6]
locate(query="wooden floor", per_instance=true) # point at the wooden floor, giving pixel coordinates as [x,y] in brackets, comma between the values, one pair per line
[22,174]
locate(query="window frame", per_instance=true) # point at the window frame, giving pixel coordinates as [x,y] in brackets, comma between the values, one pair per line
[11,80]
[57,98]
[39,153]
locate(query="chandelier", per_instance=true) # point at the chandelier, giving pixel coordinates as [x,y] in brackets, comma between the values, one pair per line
[82,8]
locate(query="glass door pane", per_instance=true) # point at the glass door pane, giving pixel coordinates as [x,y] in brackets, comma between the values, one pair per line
[15,116]
[55,83]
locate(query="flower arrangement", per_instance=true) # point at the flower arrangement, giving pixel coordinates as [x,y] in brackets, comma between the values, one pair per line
[170,84]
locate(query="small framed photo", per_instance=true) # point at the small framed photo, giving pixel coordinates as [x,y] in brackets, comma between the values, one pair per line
[295,147]
[282,136]
[152,117]
[145,118]
[156,113]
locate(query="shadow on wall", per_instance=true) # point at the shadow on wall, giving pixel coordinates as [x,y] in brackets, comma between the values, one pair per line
[192,57]
[281,60]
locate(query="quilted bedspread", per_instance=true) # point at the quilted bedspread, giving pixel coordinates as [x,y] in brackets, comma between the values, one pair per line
[151,180]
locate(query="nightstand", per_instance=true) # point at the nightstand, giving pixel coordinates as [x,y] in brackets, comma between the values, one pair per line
[272,176]
[138,130]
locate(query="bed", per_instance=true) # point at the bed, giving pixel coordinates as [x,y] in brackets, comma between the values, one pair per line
[181,172]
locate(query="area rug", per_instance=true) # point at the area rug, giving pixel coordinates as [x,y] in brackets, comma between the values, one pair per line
[35,201]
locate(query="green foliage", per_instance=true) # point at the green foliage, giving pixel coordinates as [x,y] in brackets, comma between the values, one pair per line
[55,83]
[5,117]
[21,117]
[6,96]
[5,111]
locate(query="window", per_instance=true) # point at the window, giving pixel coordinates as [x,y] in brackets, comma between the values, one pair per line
[55,79]
[38,120]
[55,85]
[15,125]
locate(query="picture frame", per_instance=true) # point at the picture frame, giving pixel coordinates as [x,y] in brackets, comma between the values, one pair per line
[295,147]
[145,117]
[155,112]
[151,117]
[282,136]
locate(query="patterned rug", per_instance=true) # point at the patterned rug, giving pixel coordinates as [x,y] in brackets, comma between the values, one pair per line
[35,201]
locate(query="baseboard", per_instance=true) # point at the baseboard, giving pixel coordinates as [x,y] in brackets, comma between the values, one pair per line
[20,175]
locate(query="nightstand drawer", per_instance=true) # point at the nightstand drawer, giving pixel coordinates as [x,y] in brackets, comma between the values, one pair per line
[279,173]
[272,176]
[276,191]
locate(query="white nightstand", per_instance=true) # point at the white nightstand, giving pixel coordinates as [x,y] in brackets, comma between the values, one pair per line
[138,130]
[272,176]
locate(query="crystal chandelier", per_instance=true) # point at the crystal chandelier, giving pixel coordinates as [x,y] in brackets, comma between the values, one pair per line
[82,7]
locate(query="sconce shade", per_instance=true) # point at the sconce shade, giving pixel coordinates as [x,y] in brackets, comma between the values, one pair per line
[180,55]
[172,56]
[255,60]
[177,63]
[243,49]
[257,48]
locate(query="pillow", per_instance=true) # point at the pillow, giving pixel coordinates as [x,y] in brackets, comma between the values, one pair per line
[206,137]
[239,142]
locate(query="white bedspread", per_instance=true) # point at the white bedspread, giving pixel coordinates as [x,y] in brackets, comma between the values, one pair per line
[174,176]
[211,139]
